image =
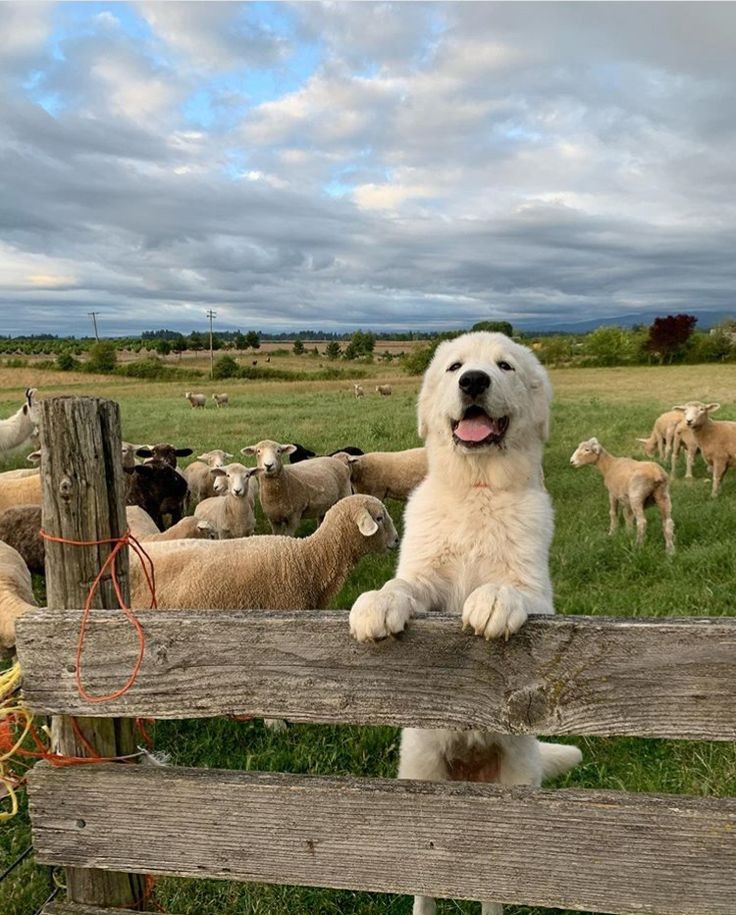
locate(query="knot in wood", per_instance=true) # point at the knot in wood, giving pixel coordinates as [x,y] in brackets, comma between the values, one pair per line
[66,487]
[525,708]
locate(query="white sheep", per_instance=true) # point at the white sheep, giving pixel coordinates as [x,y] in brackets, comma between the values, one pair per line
[387,474]
[662,435]
[130,454]
[684,438]
[631,485]
[231,515]
[20,490]
[196,400]
[22,425]
[358,390]
[16,592]
[221,400]
[202,485]
[290,492]
[716,439]
[383,389]
[143,527]
[268,572]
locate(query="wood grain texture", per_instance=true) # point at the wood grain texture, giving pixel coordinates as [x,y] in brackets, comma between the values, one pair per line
[76,908]
[560,675]
[597,851]
[82,500]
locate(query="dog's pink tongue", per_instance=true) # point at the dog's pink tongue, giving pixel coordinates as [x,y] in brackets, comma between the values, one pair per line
[475,429]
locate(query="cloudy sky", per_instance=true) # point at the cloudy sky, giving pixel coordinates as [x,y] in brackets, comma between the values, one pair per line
[343,165]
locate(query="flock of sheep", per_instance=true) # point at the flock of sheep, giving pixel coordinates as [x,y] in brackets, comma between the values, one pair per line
[188,518]
[633,485]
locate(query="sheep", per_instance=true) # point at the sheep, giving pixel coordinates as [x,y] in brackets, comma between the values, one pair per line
[684,437]
[16,593]
[231,515]
[302,454]
[292,492]
[716,439]
[34,457]
[268,358]
[129,454]
[202,485]
[159,489]
[143,527]
[358,390]
[268,572]
[631,485]
[383,389]
[196,400]
[25,490]
[163,453]
[22,425]
[221,400]
[19,528]
[388,474]
[662,435]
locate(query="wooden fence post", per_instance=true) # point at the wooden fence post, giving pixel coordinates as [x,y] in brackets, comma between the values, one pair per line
[83,499]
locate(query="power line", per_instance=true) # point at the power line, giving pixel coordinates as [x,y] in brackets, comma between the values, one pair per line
[211,315]
[93,315]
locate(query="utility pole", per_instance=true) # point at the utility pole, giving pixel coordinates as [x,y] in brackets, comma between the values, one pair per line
[211,314]
[93,315]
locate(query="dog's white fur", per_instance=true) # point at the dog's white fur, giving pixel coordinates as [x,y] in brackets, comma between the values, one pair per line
[476,543]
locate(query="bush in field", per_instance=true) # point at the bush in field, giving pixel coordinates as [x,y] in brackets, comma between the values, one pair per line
[226,367]
[416,361]
[555,350]
[332,350]
[65,362]
[609,346]
[103,357]
[298,347]
[717,346]
[499,327]
[668,336]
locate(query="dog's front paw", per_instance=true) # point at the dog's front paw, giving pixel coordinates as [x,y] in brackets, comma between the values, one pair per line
[494,611]
[378,614]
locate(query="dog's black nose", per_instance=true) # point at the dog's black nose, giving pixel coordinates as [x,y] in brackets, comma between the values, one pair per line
[474,382]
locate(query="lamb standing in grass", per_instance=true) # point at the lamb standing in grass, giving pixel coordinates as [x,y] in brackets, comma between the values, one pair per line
[290,492]
[268,573]
[716,439]
[16,593]
[388,474]
[196,400]
[383,389]
[221,400]
[231,515]
[684,438]
[358,390]
[662,435]
[22,425]
[631,485]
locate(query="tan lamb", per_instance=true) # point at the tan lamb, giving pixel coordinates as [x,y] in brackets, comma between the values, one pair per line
[231,515]
[716,438]
[16,593]
[387,474]
[662,435]
[632,485]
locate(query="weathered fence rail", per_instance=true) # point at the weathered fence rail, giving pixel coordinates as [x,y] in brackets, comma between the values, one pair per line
[560,675]
[594,850]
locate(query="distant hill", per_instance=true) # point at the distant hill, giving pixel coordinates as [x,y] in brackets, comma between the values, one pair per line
[706,320]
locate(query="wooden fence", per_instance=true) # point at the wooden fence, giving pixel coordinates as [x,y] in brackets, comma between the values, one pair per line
[599,851]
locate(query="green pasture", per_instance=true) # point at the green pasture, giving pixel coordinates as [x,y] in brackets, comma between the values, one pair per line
[593,574]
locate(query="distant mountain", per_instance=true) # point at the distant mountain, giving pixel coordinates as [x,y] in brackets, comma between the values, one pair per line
[706,320]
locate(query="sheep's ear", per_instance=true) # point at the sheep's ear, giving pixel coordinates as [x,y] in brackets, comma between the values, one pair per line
[342,456]
[218,472]
[288,449]
[227,454]
[252,471]
[643,440]
[202,457]
[367,523]
[34,457]
[680,408]
[144,452]
[595,445]
[26,408]
[183,452]
[712,407]
[250,449]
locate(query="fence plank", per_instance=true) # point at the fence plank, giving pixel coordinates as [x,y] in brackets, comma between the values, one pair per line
[75,908]
[597,851]
[560,675]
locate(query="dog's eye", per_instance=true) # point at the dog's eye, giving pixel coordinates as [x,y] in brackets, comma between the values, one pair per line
[505,367]
[454,367]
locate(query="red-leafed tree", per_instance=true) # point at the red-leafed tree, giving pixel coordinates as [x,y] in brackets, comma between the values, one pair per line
[669,335]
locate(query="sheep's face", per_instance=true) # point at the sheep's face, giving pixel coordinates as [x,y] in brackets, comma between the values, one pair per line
[586,453]
[649,445]
[372,519]
[235,477]
[32,409]
[163,453]
[269,456]
[483,392]
[696,413]
[215,458]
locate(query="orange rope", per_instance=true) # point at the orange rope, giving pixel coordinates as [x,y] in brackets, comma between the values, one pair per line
[111,563]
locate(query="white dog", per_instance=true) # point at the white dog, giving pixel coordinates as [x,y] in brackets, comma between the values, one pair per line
[476,543]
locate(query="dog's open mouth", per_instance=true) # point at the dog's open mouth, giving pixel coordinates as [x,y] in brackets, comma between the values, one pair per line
[477,428]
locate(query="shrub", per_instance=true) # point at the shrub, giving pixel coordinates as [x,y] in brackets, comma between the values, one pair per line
[102,357]
[65,362]
[225,367]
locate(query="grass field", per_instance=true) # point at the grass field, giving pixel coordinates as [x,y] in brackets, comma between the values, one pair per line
[593,574]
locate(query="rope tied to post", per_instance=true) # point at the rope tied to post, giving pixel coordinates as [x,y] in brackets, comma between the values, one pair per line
[110,565]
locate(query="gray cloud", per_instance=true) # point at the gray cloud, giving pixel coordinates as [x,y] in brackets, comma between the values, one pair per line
[438,163]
